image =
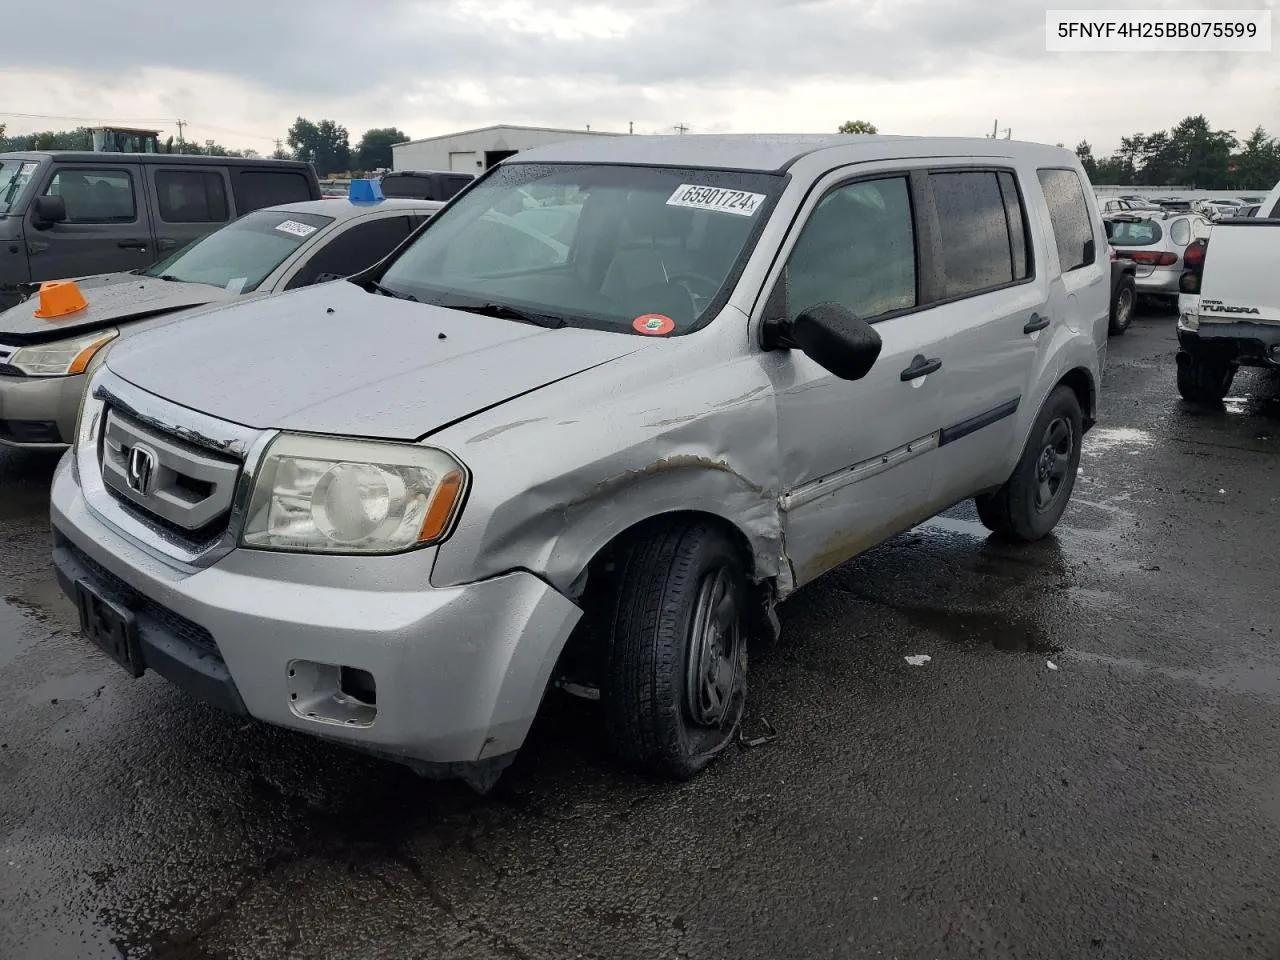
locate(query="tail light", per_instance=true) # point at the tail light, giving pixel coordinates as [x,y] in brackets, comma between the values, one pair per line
[1193,256]
[1193,265]
[1151,258]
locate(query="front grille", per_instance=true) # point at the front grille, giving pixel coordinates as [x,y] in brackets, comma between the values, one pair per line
[176,624]
[164,480]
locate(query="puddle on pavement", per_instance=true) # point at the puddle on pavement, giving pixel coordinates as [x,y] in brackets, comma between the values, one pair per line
[1254,677]
[972,629]
[1116,440]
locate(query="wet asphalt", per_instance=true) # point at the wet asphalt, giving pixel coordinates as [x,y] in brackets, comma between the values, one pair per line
[1125,805]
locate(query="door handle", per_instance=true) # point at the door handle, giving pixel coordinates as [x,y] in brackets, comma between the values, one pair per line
[167,244]
[36,246]
[921,366]
[132,244]
[1036,322]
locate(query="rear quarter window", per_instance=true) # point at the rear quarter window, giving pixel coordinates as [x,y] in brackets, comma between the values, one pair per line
[1069,217]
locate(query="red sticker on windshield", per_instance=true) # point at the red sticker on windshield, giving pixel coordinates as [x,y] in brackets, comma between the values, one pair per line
[653,325]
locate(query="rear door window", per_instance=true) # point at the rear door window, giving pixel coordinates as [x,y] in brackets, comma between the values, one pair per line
[255,189]
[192,196]
[982,230]
[95,196]
[1069,216]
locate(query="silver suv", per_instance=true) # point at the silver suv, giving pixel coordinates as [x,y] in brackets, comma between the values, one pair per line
[614,403]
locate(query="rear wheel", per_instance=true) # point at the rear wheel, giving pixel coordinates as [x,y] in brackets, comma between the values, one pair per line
[1203,379]
[1122,304]
[675,680]
[1032,500]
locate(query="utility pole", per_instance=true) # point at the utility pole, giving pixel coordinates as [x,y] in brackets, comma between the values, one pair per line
[631,126]
[588,128]
[680,128]
[181,124]
[279,149]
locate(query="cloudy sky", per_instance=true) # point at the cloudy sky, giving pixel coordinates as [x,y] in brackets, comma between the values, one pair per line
[239,71]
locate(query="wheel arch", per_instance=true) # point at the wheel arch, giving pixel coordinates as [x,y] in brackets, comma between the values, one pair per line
[1082,384]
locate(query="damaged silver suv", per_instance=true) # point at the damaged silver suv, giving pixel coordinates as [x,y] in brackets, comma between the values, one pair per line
[615,402]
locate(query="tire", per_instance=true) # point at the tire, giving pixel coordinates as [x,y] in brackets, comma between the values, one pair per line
[1123,301]
[659,715]
[1032,500]
[1203,380]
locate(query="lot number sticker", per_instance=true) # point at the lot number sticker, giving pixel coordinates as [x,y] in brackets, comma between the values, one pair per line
[295,228]
[720,200]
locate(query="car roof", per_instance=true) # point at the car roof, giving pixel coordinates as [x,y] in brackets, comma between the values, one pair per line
[771,152]
[340,208]
[89,156]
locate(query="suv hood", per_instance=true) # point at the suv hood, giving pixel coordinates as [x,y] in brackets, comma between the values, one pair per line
[335,359]
[113,298]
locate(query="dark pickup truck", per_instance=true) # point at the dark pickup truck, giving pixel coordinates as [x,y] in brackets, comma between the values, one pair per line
[70,214]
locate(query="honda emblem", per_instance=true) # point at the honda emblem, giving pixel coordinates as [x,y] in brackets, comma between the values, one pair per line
[141,469]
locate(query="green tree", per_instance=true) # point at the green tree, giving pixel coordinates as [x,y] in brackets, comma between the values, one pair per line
[1257,165]
[1159,165]
[857,126]
[1201,154]
[326,144]
[1085,152]
[374,149]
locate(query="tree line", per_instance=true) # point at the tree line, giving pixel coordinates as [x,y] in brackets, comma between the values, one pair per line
[1190,154]
[325,143]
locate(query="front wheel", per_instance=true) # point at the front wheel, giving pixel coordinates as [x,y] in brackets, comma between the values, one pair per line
[1032,500]
[1202,380]
[676,675]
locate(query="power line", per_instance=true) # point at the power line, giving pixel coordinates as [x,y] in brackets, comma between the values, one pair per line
[47,116]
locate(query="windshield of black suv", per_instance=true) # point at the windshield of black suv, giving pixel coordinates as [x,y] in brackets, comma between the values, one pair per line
[14,177]
[241,255]
[653,250]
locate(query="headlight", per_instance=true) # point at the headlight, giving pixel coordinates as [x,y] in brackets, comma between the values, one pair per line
[330,495]
[62,358]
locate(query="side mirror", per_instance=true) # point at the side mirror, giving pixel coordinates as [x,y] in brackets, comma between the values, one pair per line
[830,335]
[48,211]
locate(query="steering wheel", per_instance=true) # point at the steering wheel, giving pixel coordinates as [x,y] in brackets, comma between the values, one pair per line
[690,279]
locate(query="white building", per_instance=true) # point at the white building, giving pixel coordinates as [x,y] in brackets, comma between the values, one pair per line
[474,151]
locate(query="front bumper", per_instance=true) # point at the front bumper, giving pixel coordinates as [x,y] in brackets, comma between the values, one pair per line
[1246,344]
[459,672]
[39,412]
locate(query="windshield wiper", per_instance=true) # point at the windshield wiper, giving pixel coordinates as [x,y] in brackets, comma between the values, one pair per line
[505,311]
[171,278]
[388,292]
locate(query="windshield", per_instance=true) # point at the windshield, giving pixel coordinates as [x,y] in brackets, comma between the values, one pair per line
[14,177]
[241,255]
[626,248]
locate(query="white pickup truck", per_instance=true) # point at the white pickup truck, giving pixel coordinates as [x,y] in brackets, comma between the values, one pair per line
[1229,306]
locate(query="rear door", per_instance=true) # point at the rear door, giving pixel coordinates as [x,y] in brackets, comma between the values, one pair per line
[993,303]
[108,225]
[186,202]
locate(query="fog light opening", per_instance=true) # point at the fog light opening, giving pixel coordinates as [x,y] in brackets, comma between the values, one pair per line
[331,693]
[358,685]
